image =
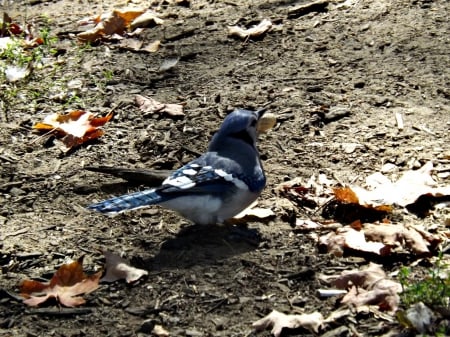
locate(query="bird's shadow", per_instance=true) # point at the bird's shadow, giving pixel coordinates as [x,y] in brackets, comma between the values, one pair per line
[203,245]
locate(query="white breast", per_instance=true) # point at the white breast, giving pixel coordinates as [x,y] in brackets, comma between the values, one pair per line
[207,210]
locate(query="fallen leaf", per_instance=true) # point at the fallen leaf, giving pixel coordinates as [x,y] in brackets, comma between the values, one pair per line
[115,22]
[403,192]
[255,212]
[5,42]
[66,285]
[147,19]
[75,128]
[345,195]
[150,105]
[347,237]
[384,295]
[405,236]
[16,73]
[381,239]
[118,268]
[131,44]
[255,31]
[348,213]
[152,47]
[277,321]
[168,63]
[419,317]
[360,278]
[159,331]
[369,286]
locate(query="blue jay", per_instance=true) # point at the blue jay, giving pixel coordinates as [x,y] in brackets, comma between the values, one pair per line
[214,187]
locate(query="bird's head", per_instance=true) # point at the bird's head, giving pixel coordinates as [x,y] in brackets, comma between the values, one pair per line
[241,125]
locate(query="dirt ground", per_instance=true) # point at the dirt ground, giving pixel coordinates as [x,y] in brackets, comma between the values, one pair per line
[370,59]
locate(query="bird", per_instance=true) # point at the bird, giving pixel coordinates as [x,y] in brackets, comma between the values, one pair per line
[214,187]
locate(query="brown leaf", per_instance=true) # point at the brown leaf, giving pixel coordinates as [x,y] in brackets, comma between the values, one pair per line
[66,285]
[255,31]
[74,128]
[369,286]
[254,213]
[405,191]
[347,237]
[118,268]
[345,195]
[111,23]
[384,295]
[147,19]
[277,321]
[131,44]
[152,47]
[406,236]
[150,105]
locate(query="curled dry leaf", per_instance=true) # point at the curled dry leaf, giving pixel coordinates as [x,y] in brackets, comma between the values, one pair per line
[253,212]
[66,285]
[152,47]
[159,331]
[405,236]
[346,208]
[419,317]
[75,128]
[150,105]
[118,268]
[277,321]
[347,237]
[255,31]
[16,73]
[117,21]
[369,286]
[380,239]
[147,19]
[405,192]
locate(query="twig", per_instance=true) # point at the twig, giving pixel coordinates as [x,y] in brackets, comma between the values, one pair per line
[60,311]
[399,120]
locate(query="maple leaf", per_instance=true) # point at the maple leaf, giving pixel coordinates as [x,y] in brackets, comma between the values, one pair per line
[117,21]
[66,285]
[75,127]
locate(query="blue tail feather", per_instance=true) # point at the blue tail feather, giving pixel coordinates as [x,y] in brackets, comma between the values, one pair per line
[127,202]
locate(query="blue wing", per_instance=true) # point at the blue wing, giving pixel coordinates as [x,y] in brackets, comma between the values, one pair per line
[193,178]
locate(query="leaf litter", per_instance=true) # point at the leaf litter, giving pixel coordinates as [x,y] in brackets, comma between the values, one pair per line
[363,216]
[66,286]
[356,226]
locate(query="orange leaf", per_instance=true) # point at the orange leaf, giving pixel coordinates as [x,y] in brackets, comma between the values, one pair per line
[110,23]
[345,195]
[128,15]
[76,127]
[66,285]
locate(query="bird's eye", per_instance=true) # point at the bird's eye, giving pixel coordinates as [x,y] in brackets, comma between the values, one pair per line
[253,122]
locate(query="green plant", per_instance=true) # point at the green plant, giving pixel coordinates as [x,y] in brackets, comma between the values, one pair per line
[109,74]
[433,290]
[14,53]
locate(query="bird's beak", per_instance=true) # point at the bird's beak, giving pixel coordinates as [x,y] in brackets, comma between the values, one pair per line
[261,112]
